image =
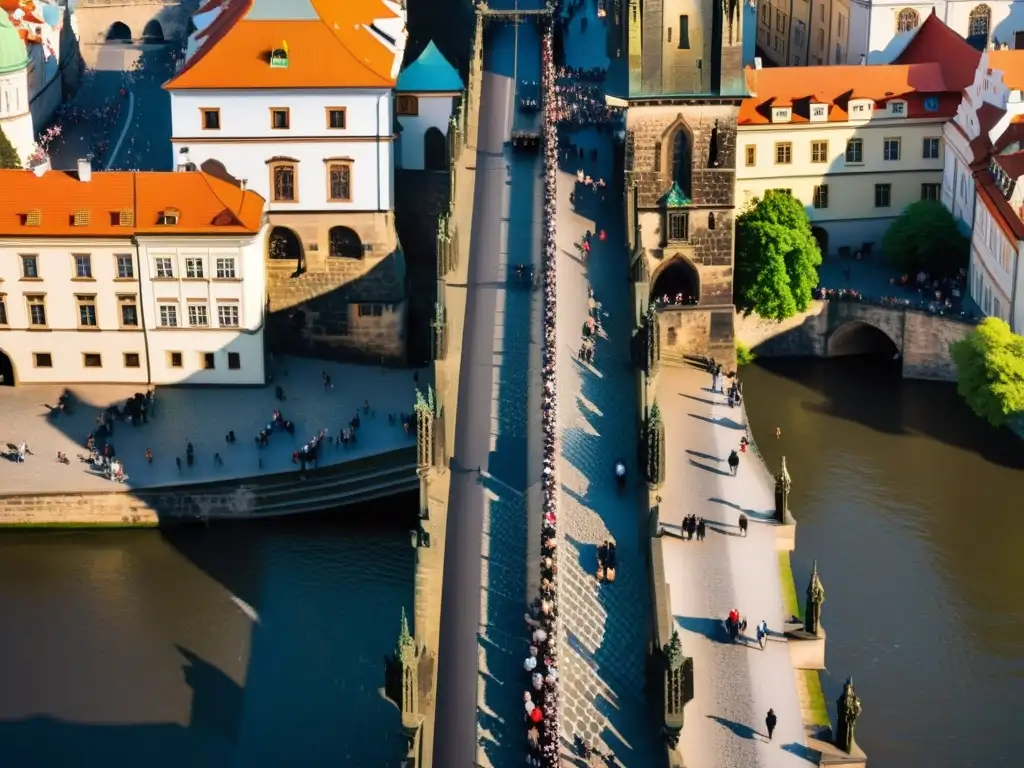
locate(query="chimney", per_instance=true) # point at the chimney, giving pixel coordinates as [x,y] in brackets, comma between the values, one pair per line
[244,184]
[85,169]
[863,60]
[757,62]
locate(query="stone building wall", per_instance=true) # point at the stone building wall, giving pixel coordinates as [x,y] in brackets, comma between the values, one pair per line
[698,332]
[926,345]
[339,306]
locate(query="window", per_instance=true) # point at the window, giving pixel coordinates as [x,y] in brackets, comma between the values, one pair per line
[168,315]
[175,360]
[164,267]
[193,267]
[668,34]
[978,22]
[336,118]
[406,105]
[227,315]
[819,151]
[781,20]
[678,226]
[891,149]
[751,154]
[225,268]
[30,267]
[821,39]
[129,311]
[168,217]
[907,20]
[198,316]
[883,195]
[931,191]
[930,148]
[36,311]
[234,361]
[997,309]
[783,153]
[42,359]
[3,309]
[842,26]
[821,196]
[798,36]
[898,108]
[339,182]
[684,32]
[86,311]
[765,14]
[125,267]
[211,118]
[92,360]
[207,361]
[283,186]
[279,118]
[371,310]
[131,360]
[83,266]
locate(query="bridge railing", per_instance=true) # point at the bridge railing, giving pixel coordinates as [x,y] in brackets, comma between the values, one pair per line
[896,302]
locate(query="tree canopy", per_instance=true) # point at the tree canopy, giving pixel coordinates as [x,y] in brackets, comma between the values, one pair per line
[990,371]
[777,257]
[9,158]
[926,236]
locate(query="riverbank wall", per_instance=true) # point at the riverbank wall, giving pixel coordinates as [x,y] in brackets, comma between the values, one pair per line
[837,328]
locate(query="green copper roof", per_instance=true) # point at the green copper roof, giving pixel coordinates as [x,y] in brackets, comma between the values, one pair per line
[675,198]
[13,54]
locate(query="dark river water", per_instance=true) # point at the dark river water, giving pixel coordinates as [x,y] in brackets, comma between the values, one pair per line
[914,509]
[243,645]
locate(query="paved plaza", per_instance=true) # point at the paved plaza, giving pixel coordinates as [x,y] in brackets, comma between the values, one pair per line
[735,684]
[202,416]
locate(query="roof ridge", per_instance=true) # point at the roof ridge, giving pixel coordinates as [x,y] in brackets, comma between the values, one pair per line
[334,34]
[227,206]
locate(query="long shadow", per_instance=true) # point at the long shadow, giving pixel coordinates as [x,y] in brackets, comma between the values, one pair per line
[719,421]
[801,751]
[704,400]
[752,513]
[700,455]
[713,470]
[710,628]
[741,730]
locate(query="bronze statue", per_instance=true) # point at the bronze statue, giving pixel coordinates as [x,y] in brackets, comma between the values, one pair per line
[815,597]
[847,711]
[783,484]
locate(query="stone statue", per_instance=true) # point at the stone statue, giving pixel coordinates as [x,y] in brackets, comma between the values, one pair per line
[847,711]
[655,519]
[815,597]
[783,483]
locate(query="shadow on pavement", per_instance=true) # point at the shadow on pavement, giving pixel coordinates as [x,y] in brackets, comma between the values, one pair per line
[713,470]
[739,729]
[751,513]
[802,751]
[719,421]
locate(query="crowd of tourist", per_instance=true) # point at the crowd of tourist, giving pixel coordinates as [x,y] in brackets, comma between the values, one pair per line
[541,697]
[941,306]
[579,98]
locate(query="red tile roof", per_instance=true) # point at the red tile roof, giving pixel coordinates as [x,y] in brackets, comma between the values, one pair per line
[988,193]
[935,42]
[1011,64]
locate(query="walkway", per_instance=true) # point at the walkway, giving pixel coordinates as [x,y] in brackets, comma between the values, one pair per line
[735,684]
[483,637]
[603,663]
[202,415]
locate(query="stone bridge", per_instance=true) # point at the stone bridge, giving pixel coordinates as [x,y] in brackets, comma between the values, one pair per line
[152,21]
[836,328]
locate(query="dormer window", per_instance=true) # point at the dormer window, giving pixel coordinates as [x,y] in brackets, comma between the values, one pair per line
[819,113]
[279,56]
[34,217]
[897,109]
[80,218]
[861,109]
[781,114]
[168,217]
[125,218]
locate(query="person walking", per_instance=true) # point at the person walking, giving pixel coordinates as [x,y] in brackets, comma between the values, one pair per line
[769,722]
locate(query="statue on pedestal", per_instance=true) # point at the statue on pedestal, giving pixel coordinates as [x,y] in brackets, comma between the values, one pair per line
[847,711]
[783,483]
[815,597]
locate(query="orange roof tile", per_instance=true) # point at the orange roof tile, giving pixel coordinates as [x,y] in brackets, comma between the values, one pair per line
[933,41]
[335,51]
[1011,64]
[798,87]
[206,205]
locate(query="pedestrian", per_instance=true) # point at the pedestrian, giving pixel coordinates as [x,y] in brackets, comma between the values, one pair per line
[778,432]
[769,721]
[734,462]
[149,456]
[177,461]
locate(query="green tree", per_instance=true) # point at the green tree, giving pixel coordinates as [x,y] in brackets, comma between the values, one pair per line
[744,355]
[9,158]
[926,236]
[990,371]
[777,257]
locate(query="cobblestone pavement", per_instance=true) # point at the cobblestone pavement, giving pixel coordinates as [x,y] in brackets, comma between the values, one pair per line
[203,416]
[735,684]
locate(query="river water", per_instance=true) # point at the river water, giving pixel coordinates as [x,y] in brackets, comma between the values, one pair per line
[914,509]
[240,645]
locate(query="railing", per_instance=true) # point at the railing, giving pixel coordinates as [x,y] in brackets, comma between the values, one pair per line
[895,302]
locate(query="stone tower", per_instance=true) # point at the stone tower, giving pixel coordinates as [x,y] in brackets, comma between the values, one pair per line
[686,84]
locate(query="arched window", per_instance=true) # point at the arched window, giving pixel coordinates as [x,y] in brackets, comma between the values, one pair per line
[682,159]
[344,243]
[907,20]
[711,221]
[978,21]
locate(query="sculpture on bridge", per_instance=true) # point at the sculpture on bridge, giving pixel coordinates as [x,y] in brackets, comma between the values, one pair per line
[847,711]
[783,483]
[815,597]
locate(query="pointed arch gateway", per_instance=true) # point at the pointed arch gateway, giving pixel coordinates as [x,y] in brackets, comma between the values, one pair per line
[676,282]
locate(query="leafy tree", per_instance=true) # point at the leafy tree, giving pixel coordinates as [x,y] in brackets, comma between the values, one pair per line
[990,371]
[926,236]
[744,355]
[777,257]
[9,158]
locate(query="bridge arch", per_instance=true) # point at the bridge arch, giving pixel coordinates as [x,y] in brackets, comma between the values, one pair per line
[153,32]
[677,275]
[858,337]
[119,32]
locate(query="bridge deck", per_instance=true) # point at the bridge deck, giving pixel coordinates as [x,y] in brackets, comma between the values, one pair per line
[203,416]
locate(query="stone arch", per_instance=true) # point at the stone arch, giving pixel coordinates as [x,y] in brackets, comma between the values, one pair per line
[979,24]
[435,150]
[676,160]
[153,32]
[119,32]
[283,244]
[8,376]
[344,243]
[676,276]
[820,235]
[907,19]
[857,337]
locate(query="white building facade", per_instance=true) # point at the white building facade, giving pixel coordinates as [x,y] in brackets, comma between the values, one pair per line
[425,98]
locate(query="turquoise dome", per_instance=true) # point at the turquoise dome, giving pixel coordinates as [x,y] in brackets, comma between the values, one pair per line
[13,54]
